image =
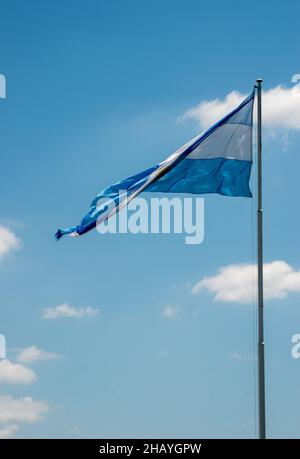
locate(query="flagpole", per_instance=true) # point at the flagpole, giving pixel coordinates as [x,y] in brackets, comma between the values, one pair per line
[261,344]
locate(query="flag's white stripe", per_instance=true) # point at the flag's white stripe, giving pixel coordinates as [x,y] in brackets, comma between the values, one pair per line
[230,141]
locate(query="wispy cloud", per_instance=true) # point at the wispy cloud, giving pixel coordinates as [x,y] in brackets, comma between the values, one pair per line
[8,431]
[66,310]
[15,373]
[234,283]
[21,409]
[281,108]
[170,312]
[8,241]
[164,353]
[237,356]
[33,354]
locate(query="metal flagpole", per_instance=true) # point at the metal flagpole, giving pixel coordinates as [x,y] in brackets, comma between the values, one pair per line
[261,344]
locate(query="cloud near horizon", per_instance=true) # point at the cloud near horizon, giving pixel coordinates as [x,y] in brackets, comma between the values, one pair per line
[8,431]
[235,283]
[23,409]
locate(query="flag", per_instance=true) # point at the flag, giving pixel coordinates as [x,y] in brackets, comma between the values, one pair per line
[218,160]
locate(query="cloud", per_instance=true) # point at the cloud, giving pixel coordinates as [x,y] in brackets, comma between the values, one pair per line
[22,409]
[281,108]
[8,241]
[234,283]
[65,310]
[170,312]
[33,354]
[15,373]
[164,353]
[8,431]
[237,356]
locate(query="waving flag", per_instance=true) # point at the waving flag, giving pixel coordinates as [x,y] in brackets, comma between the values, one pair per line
[218,160]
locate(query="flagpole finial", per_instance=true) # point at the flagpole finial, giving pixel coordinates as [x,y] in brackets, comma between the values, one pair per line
[259,80]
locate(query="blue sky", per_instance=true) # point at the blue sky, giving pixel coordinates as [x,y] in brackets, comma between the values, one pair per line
[94,93]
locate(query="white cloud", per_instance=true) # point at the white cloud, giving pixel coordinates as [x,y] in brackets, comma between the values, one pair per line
[22,409]
[234,283]
[170,312]
[8,431]
[32,354]
[65,310]
[15,373]
[281,108]
[8,241]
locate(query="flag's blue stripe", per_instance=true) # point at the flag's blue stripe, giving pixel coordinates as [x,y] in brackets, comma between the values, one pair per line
[217,175]
[131,183]
[228,177]
[88,222]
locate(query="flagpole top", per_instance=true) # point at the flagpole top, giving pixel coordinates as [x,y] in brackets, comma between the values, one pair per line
[259,80]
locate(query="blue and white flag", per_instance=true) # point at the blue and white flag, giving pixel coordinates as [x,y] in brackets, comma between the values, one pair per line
[218,160]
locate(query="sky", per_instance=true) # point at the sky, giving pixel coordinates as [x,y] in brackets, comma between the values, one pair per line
[142,336]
